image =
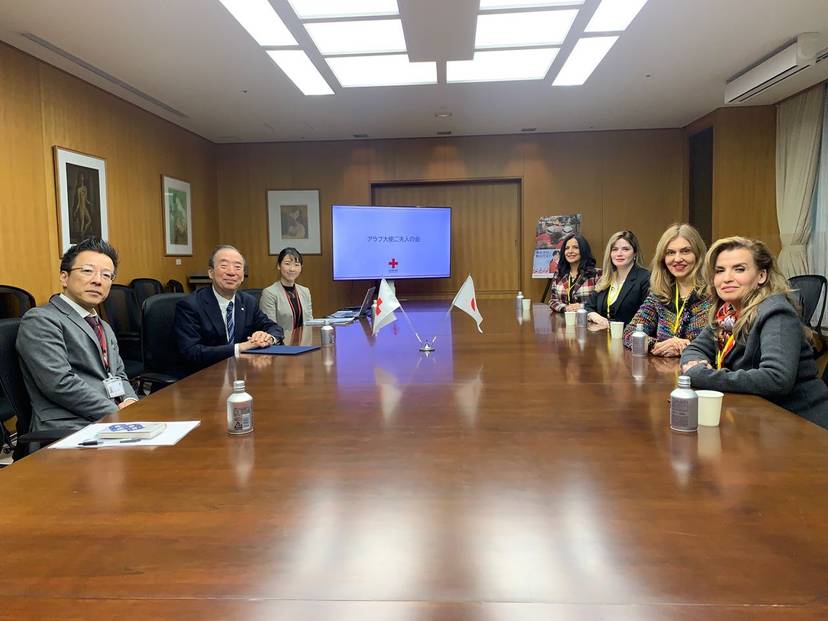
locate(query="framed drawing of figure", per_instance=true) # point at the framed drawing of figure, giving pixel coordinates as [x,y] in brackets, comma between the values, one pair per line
[178,217]
[81,197]
[293,220]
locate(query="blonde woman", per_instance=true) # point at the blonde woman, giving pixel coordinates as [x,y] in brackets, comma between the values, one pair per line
[755,342]
[676,310]
[623,285]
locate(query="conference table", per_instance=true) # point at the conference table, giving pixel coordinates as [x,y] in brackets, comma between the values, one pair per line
[528,472]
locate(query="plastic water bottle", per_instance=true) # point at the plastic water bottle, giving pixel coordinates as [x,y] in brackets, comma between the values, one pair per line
[684,407]
[639,341]
[519,302]
[239,410]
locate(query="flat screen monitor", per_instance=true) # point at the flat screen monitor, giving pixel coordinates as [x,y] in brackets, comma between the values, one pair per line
[391,242]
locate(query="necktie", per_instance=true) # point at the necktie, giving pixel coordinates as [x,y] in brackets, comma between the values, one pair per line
[231,324]
[95,323]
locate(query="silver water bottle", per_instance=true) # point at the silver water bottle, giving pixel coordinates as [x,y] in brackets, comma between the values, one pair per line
[326,335]
[239,410]
[639,341]
[519,302]
[581,318]
[684,407]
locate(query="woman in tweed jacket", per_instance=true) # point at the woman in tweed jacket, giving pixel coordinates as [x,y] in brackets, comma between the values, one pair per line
[575,279]
[676,309]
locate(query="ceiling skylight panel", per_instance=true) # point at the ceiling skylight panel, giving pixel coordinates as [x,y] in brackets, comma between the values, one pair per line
[260,20]
[319,9]
[299,68]
[358,37]
[502,65]
[614,15]
[523,29]
[390,70]
[584,58]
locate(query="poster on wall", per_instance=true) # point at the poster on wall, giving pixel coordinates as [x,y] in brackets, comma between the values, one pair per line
[178,217]
[549,234]
[81,197]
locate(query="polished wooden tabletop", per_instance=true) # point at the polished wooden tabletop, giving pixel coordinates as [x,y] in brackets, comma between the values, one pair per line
[525,473]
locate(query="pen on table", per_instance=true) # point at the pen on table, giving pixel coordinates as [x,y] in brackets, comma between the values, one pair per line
[102,442]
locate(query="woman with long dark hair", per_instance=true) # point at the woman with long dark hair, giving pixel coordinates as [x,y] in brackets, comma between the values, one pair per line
[575,279]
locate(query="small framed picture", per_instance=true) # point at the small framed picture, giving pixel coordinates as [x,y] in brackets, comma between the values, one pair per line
[81,197]
[178,217]
[293,220]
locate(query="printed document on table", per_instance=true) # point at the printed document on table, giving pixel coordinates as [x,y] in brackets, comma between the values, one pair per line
[171,435]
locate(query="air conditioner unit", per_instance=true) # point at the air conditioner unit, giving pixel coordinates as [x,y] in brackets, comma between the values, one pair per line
[788,61]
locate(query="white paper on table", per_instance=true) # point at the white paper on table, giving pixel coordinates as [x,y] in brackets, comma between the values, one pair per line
[171,435]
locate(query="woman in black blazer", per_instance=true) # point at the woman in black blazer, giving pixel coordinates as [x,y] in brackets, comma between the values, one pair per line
[624,283]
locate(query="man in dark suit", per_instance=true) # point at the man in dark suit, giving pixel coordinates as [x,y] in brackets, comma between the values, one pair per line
[217,322]
[69,358]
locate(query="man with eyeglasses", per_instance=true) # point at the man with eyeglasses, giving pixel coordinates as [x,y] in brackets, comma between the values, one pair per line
[70,360]
[220,321]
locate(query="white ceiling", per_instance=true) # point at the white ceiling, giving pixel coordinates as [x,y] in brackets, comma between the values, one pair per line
[668,69]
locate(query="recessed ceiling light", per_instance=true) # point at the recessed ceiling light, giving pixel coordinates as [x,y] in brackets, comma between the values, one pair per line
[488,5]
[314,9]
[502,65]
[583,59]
[614,15]
[360,37]
[260,20]
[384,70]
[522,29]
[442,115]
[299,68]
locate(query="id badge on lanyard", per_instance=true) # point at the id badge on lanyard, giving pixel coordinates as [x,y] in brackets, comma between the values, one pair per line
[114,387]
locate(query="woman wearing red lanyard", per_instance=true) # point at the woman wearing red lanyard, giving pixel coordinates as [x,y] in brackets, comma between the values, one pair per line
[676,310]
[285,302]
[575,279]
[756,342]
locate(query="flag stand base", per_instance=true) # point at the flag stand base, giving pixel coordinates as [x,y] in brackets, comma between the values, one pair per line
[427,348]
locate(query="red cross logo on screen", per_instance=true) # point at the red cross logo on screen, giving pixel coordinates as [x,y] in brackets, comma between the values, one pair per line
[393,263]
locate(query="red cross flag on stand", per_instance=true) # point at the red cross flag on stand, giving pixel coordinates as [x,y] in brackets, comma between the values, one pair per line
[387,303]
[466,301]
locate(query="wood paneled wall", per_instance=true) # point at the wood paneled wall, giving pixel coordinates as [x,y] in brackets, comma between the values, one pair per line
[41,106]
[617,180]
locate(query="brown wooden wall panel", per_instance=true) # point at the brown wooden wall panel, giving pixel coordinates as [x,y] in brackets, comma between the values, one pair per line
[629,179]
[26,233]
[42,107]
[744,174]
[485,222]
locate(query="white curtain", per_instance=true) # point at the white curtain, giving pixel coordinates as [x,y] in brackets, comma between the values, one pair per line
[819,239]
[798,134]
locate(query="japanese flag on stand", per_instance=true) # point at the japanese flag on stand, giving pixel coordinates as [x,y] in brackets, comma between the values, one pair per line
[387,303]
[466,301]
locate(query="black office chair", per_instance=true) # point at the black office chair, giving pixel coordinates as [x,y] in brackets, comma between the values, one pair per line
[11,383]
[14,301]
[811,289]
[145,288]
[174,286]
[256,293]
[123,314]
[162,363]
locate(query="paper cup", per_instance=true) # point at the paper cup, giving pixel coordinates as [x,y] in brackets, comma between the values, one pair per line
[527,304]
[617,329]
[570,317]
[710,407]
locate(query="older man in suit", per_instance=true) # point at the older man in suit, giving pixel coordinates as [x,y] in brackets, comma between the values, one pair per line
[70,360]
[220,321]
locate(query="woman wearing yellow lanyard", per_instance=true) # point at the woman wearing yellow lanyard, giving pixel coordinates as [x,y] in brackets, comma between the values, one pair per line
[755,342]
[676,310]
[576,277]
[624,284]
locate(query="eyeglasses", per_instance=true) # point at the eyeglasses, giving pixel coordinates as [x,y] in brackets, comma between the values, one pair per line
[87,271]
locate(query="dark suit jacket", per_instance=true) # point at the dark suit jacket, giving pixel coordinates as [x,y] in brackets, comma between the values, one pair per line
[62,367]
[199,326]
[632,295]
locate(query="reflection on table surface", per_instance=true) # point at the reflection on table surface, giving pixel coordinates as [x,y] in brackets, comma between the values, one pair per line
[528,472]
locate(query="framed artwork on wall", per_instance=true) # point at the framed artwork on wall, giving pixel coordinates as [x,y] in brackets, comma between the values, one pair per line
[293,220]
[80,183]
[178,217]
